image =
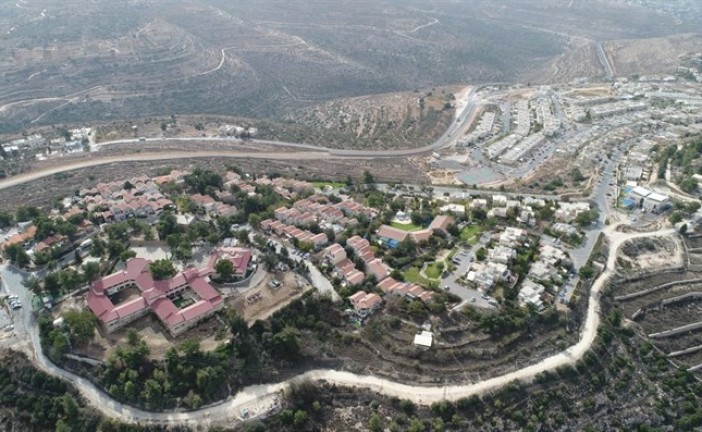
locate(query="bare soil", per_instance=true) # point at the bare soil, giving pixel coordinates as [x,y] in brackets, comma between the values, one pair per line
[259,303]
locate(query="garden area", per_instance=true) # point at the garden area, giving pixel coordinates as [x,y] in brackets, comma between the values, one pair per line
[471,233]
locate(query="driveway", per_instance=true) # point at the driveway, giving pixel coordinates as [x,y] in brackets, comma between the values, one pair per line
[462,261]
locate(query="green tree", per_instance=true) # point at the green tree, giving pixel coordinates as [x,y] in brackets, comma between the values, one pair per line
[167,225]
[115,248]
[80,325]
[52,283]
[17,255]
[6,219]
[286,343]
[126,255]
[32,284]
[300,418]
[162,269]
[225,269]
[183,253]
[586,217]
[587,271]
[152,394]
[91,271]
[375,424]
[69,279]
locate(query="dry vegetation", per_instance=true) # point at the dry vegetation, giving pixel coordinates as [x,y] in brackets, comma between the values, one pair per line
[82,60]
[655,55]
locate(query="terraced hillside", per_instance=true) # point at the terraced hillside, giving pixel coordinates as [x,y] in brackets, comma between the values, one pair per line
[667,308]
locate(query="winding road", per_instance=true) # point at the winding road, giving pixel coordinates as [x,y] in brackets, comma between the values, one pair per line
[259,399]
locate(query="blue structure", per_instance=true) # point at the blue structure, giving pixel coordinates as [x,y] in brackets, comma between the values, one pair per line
[628,203]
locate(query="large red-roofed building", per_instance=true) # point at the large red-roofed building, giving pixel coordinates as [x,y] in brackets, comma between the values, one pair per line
[155,296]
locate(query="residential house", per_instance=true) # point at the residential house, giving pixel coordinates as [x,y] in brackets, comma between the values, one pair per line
[530,293]
[365,304]
[319,240]
[334,254]
[499,201]
[354,277]
[377,268]
[499,212]
[478,203]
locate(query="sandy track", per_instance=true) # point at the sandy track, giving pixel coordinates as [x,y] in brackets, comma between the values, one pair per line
[265,396]
[140,157]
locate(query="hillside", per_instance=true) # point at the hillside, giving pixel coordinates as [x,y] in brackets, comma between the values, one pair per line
[84,60]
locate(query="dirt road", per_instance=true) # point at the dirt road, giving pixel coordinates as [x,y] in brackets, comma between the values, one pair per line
[261,398]
[138,157]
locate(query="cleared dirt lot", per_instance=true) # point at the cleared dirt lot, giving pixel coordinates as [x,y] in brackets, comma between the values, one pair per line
[258,303]
[651,254]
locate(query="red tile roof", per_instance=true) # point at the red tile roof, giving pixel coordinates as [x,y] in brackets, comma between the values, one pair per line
[154,294]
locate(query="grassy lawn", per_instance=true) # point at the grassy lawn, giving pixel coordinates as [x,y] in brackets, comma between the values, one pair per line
[412,276]
[322,184]
[452,254]
[434,270]
[471,233]
[405,227]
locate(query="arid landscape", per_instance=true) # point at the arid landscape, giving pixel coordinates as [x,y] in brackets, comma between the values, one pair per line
[81,61]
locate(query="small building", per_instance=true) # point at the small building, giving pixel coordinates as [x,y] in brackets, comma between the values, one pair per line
[377,268]
[424,339]
[478,203]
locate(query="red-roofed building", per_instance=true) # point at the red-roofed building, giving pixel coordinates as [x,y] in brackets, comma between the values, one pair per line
[354,277]
[365,304]
[319,240]
[392,236]
[155,296]
[440,223]
[335,254]
[239,257]
[377,269]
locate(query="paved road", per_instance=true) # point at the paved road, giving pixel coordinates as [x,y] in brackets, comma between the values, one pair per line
[464,119]
[456,192]
[604,61]
[319,281]
[311,152]
[262,397]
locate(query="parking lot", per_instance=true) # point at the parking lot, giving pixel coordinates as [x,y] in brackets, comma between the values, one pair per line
[6,322]
[462,261]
